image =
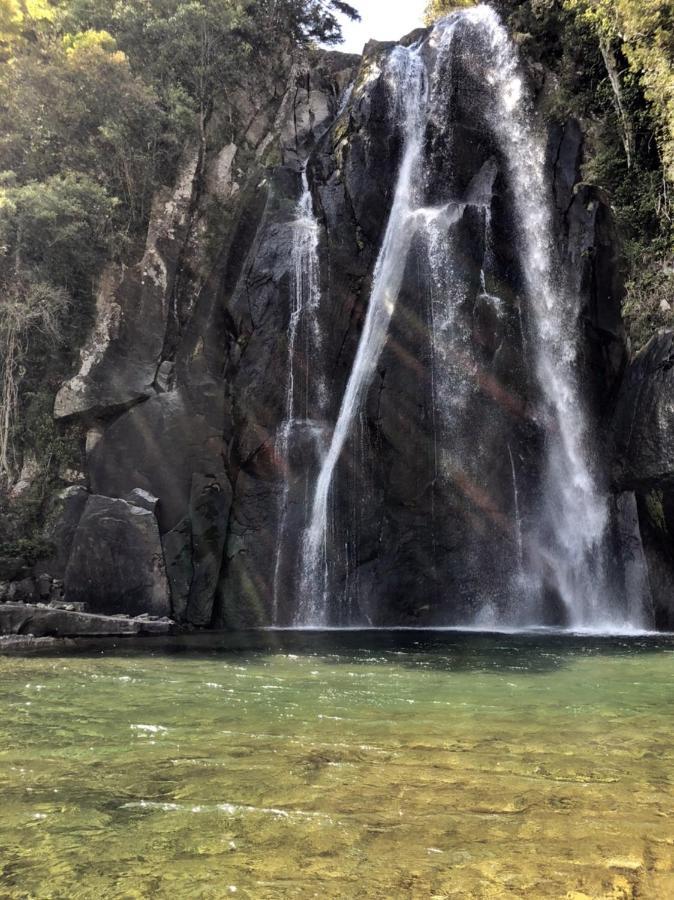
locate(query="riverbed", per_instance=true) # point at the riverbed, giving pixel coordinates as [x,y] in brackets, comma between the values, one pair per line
[355,764]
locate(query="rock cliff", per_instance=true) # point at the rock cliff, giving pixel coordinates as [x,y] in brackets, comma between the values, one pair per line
[183,383]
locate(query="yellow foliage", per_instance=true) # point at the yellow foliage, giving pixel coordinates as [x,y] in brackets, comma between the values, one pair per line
[90,40]
[11,18]
[16,15]
[437,8]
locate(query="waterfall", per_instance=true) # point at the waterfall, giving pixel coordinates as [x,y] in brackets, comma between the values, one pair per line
[305,292]
[561,542]
[568,545]
[407,75]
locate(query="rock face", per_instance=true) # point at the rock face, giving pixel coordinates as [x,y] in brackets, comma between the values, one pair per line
[193,550]
[156,382]
[184,384]
[643,455]
[116,563]
[408,529]
[643,423]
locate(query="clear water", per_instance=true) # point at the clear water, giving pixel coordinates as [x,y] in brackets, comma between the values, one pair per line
[380,765]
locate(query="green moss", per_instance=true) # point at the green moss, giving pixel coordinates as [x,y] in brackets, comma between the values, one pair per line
[656,512]
[272,155]
[649,304]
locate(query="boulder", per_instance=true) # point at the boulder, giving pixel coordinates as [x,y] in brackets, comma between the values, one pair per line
[139,497]
[23,591]
[116,564]
[156,447]
[62,519]
[11,567]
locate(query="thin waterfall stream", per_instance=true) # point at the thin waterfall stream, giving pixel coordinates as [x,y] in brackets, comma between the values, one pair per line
[303,328]
[407,72]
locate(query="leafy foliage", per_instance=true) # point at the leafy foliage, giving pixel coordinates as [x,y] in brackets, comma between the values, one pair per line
[97,102]
[644,32]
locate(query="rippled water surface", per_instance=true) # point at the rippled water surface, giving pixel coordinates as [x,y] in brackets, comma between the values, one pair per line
[354,765]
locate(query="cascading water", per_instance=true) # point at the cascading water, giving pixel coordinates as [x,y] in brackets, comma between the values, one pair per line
[305,291]
[408,74]
[568,545]
[560,543]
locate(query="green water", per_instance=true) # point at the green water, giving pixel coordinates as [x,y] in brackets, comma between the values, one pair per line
[357,765]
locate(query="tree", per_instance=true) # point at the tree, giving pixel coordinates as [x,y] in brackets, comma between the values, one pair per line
[643,31]
[28,309]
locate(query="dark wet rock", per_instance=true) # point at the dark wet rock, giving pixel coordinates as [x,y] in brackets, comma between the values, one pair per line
[139,497]
[402,539]
[631,557]
[643,461]
[643,423]
[42,621]
[177,546]
[565,155]
[63,516]
[194,550]
[12,567]
[210,504]
[116,564]
[23,591]
[660,560]
[595,270]
[595,257]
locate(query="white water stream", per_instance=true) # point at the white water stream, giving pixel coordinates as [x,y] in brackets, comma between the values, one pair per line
[305,292]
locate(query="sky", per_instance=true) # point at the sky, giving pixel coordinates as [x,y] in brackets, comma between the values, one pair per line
[383,20]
